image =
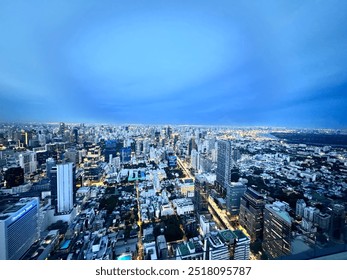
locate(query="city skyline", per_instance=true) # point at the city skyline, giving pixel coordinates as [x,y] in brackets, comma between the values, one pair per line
[183,62]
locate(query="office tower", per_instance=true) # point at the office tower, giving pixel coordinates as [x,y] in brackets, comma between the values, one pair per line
[75,135]
[171,158]
[168,132]
[224,164]
[227,156]
[277,230]
[14,176]
[110,149]
[195,159]
[200,195]
[61,129]
[65,181]
[251,213]
[300,206]
[50,163]
[235,190]
[215,248]
[192,145]
[241,246]
[226,159]
[125,154]
[323,221]
[28,162]
[338,217]
[139,146]
[311,213]
[18,228]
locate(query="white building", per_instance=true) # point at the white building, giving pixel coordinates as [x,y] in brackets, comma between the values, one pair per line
[28,162]
[64,187]
[195,159]
[183,206]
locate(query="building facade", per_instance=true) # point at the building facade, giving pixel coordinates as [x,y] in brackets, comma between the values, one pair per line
[277,230]
[65,187]
[252,213]
[18,228]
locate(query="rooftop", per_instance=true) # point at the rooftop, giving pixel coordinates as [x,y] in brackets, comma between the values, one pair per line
[183,249]
[279,212]
[227,235]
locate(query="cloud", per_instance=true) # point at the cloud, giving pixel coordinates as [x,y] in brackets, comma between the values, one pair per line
[279,62]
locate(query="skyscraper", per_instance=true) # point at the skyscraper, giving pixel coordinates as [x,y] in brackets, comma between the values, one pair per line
[65,187]
[224,164]
[235,190]
[277,230]
[18,228]
[300,206]
[125,154]
[195,159]
[226,159]
[50,162]
[251,213]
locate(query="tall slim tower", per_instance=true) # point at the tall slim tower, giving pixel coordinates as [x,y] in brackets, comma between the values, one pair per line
[224,164]
[65,187]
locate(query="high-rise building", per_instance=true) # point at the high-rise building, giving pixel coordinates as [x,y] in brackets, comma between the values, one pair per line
[18,228]
[65,187]
[53,185]
[28,162]
[311,214]
[252,213]
[200,195]
[277,230]
[300,206]
[224,164]
[125,154]
[192,145]
[111,148]
[50,162]
[226,159]
[75,135]
[195,159]
[235,190]
[323,221]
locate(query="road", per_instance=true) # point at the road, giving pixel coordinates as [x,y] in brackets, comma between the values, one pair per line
[185,169]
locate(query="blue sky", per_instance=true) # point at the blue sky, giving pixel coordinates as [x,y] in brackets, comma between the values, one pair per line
[225,62]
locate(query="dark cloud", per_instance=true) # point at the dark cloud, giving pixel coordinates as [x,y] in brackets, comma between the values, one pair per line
[274,63]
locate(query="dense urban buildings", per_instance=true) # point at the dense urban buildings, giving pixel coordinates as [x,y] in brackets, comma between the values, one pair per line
[98,192]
